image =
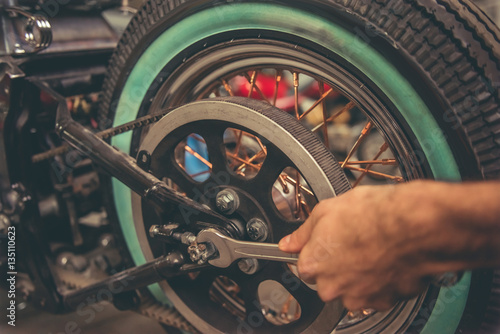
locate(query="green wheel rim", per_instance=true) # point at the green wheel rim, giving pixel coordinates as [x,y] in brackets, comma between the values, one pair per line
[451,302]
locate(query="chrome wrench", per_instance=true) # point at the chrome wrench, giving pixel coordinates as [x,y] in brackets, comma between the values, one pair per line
[230,250]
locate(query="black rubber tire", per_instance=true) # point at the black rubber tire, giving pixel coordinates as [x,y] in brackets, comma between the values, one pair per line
[448,49]
[452,46]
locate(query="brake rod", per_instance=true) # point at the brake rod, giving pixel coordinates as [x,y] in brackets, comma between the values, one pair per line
[161,268]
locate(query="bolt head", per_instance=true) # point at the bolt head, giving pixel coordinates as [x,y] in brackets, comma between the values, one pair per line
[257,229]
[227,201]
[248,266]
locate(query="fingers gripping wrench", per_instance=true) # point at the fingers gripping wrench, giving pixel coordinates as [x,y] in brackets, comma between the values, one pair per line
[230,250]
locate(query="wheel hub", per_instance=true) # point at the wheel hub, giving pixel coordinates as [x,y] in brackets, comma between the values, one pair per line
[241,186]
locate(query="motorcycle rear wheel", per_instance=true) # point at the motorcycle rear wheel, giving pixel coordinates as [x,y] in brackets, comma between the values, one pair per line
[426,73]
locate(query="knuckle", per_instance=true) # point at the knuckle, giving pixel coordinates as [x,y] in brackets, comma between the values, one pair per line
[307,266]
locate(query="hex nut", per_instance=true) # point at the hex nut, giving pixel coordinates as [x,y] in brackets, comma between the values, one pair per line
[227,201]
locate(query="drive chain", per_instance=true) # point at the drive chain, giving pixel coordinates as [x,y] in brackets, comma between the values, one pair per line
[148,307]
[105,134]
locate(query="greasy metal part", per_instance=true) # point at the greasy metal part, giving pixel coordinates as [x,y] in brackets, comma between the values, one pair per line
[8,73]
[125,168]
[35,35]
[148,306]
[78,32]
[200,252]
[227,201]
[134,278]
[35,252]
[164,314]
[4,223]
[257,229]
[49,206]
[73,219]
[108,133]
[230,250]
[169,233]
[163,231]
[14,201]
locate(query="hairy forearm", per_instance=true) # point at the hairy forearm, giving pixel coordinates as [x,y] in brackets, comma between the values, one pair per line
[376,244]
[457,225]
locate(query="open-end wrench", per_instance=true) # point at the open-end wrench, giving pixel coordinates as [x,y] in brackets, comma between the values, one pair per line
[230,250]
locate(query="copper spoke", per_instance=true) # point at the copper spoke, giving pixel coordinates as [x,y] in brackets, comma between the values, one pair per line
[347,107]
[243,161]
[306,208]
[321,100]
[382,149]
[302,188]
[198,156]
[258,155]
[227,87]
[365,132]
[257,139]
[238,141]
[279,75]
[384,162]
[371,172]
[297,195]
[296,93]
[197,138]
[253,85]
[286,307]
[325,113]
[262,147]
[199,174]
[284,184]
[239,135]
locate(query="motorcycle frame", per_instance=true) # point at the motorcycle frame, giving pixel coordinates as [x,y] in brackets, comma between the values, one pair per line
[28,76]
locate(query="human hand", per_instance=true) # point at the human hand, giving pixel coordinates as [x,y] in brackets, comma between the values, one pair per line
[368,246]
